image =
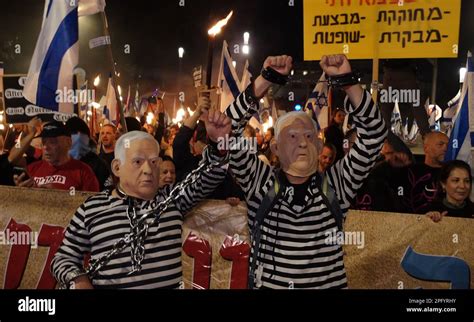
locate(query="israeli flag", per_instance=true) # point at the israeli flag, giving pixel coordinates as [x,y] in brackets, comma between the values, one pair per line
[317,104]
[55,57]
[228,82]
[461,139]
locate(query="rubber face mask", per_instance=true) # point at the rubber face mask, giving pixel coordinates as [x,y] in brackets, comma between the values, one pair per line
[296,147]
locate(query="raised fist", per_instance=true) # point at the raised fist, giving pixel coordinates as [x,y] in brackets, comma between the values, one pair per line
[335,65]
[217,124]
[282,64]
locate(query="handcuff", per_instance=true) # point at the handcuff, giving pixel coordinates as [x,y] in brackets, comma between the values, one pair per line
[344,80]
[71,276]
[335,81]
[273,76]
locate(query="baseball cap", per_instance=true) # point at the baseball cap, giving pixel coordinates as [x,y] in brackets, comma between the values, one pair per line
[54,129]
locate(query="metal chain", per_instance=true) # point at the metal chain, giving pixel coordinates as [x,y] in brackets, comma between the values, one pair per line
[140,227]
[137,250]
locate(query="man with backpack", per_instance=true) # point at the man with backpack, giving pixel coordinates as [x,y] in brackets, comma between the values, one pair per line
[292,210]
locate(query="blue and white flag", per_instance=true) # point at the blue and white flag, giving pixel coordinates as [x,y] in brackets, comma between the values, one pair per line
[317,104]
[55,57]
[246,76]
[434,115]
[228,81]
[136,101]
[461,138]
[396,121]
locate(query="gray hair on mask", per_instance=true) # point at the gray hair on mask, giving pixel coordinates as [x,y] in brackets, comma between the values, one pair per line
[125,142]
[291,116]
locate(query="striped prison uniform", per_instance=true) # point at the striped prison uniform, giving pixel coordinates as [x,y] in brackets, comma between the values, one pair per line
[102,220]
[293,250]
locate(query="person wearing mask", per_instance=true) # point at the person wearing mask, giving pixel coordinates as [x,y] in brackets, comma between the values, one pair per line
[81,150]
[102,220]
[289,247]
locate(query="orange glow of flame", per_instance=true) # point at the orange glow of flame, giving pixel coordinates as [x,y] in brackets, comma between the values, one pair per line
[218,26]
[268,124]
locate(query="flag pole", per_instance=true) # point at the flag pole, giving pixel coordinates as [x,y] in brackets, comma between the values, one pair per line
[435,82]
[375,79]
[210,58]
[114,72]
[329,107]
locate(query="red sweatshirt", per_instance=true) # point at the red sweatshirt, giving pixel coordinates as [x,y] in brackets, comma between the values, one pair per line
[73,173]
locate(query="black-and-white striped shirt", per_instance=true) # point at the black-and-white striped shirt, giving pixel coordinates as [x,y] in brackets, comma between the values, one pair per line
[293,251]
[102,220]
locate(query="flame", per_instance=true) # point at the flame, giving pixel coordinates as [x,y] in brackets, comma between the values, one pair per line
[97,80]
[268,124]
[95,105]
[218,26]
[179,116]
[150,117]
[190,112]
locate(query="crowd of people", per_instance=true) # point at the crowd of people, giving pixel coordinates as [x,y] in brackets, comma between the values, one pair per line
[294,184]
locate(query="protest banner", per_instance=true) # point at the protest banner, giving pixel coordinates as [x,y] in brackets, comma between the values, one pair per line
[32,223]
[373,29]
[216,244]
[394,249]
[19,110]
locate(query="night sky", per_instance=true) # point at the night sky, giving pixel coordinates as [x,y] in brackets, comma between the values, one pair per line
[155,29]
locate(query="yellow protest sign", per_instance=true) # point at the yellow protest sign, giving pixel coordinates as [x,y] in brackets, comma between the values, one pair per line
[368,29]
